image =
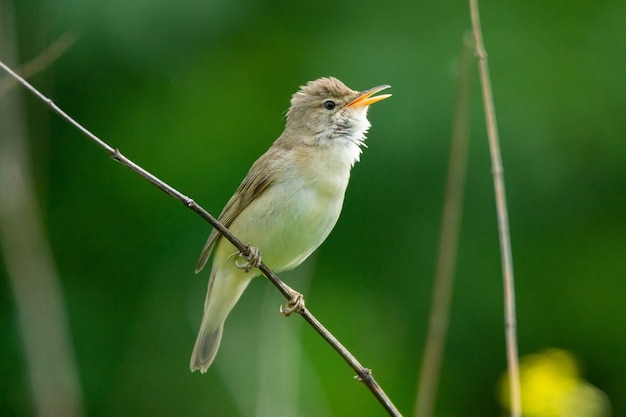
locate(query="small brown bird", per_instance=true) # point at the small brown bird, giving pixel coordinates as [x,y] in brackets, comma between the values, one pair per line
[290,200]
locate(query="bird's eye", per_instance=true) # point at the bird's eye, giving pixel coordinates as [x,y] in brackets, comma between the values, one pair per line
[329,104]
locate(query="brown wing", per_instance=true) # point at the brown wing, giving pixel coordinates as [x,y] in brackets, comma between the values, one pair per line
[251,187]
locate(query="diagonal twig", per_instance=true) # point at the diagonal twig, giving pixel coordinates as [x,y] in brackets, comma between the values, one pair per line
[362,374]
[41,61]
[503,218]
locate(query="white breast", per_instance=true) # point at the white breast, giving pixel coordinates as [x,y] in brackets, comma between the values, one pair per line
[295,215]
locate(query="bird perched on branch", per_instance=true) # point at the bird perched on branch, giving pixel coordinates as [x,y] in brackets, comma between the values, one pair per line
[290,200]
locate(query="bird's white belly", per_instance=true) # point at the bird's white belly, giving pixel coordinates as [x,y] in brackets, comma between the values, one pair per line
[287,223]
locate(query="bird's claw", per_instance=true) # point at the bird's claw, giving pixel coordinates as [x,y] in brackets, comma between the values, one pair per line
[295,305]
[253,259]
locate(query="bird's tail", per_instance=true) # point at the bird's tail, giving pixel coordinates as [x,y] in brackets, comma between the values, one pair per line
[222,295]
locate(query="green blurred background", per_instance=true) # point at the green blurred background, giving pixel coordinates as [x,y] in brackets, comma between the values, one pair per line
[195,91]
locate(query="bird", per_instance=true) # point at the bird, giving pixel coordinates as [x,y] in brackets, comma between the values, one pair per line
[289,201]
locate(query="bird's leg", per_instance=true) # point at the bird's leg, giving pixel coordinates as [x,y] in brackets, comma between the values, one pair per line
[253,259]
[294,305]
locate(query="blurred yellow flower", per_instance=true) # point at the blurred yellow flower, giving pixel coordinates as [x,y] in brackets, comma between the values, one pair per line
[551,386]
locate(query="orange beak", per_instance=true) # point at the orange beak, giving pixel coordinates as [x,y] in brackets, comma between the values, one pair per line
[365,98]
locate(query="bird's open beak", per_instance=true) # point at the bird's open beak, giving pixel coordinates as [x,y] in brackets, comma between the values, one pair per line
[365,98]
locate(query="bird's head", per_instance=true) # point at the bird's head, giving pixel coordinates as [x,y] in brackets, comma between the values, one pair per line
[325,112]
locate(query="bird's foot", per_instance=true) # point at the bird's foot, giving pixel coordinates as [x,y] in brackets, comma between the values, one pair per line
[295,305]
[253,259]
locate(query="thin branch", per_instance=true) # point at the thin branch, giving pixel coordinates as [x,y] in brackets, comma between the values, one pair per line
[503,220]
[448,245]
[363,374]
[41,61]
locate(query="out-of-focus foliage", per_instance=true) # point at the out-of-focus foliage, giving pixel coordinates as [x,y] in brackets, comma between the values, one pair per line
[196,90]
